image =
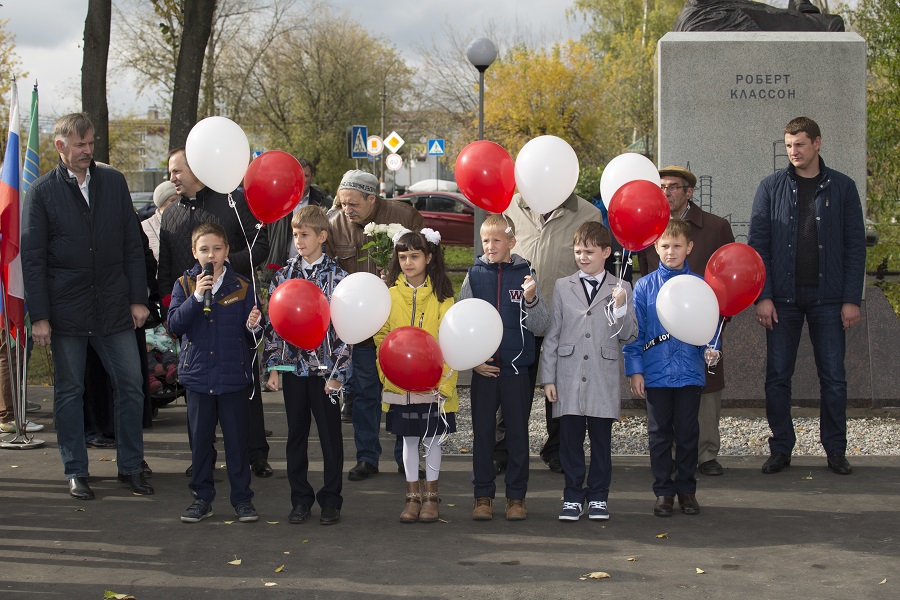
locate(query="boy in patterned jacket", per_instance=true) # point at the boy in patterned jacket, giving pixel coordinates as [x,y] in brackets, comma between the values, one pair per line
[312,380]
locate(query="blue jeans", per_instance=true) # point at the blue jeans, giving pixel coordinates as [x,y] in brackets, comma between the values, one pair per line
[366,404]
[826,332]
[119,354]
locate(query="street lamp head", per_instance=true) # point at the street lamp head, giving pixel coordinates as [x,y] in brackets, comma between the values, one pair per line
[481,52]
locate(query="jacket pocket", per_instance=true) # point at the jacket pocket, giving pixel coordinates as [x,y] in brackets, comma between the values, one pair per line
[565,350]
[609,353]
[345,251]
[185,355]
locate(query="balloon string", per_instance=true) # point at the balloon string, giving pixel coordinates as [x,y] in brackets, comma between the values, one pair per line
[250,245]
[712,361]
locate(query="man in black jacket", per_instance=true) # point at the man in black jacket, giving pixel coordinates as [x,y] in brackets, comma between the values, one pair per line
[249,246]
[85,283]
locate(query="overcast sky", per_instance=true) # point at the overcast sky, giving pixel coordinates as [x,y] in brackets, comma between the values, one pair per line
[49,33]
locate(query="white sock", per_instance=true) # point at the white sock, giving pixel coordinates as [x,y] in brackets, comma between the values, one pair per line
[411,457]
[432,458]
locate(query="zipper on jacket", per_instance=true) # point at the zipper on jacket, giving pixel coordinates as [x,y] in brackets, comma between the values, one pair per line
[412,316]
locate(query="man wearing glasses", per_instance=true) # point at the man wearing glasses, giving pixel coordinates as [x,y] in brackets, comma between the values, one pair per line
[709,233]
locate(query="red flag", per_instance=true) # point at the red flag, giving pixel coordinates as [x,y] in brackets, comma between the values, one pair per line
[10,209]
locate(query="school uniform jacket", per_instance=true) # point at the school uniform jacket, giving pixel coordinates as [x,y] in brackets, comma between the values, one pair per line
[581,353]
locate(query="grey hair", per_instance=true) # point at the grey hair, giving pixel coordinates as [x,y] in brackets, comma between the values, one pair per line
[79,123]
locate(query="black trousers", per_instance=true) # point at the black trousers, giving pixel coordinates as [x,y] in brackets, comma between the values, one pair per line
[230,412]
[305,399]
[672,415]
[512,395]
[551,446]
[571,455]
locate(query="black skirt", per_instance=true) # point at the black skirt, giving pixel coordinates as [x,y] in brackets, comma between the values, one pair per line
[419,420]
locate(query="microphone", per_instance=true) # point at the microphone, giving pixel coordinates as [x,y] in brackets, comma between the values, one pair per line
[207,295]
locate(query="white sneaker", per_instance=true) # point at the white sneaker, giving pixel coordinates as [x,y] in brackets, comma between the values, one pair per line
[30,427]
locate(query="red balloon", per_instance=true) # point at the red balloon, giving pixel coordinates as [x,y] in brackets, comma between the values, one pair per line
[299,313]
[273,185]
[736,274]
[486,175]
[638,214]
[411,358]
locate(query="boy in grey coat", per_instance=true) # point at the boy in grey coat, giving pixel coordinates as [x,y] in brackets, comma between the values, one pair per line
[580,368]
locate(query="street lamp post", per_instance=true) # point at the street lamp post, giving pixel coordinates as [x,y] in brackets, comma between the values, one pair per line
[481,52]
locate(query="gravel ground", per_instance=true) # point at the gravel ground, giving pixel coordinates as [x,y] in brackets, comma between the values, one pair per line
[740,436]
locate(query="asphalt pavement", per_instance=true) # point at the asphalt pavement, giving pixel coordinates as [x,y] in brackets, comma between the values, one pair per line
[801,533]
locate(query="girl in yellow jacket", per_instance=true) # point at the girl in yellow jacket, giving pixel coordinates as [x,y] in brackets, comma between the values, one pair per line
[421,295]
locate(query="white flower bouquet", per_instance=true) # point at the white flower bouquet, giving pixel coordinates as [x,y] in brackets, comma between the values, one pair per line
[381,247]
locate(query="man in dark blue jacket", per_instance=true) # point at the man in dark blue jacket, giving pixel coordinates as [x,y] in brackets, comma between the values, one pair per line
[807,225]
[85,282]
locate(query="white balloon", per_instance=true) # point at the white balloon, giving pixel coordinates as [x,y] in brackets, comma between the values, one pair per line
[360,305]
[687,307]
[624,168]
[218,153]
[546,172]
[470,333]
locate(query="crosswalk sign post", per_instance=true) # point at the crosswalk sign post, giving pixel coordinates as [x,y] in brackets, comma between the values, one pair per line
[357,137]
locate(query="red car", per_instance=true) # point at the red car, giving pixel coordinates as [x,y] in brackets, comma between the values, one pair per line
[447,212]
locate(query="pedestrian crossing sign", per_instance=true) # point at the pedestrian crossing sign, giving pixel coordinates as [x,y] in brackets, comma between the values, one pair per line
[435,147]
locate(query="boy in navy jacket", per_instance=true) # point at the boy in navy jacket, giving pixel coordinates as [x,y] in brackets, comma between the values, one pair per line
[507,282]
[217,342]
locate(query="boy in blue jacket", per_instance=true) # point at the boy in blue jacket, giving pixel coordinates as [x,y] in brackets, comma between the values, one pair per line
[217,341]
[312,379]
[507,282]
[670,374]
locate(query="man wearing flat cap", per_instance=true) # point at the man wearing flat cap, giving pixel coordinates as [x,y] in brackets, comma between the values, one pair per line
[709,233]
[360,205]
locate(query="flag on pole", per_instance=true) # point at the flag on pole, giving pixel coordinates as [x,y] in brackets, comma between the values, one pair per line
[32,167]
[10,209]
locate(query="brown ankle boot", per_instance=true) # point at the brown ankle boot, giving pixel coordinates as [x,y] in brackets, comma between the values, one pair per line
[410,512]
[430,500]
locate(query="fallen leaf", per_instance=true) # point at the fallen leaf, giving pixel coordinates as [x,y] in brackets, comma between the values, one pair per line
[236,561]
[443,521]
[109,594]
[79,510]
[883,581]
[662,535]
[279,569]
[595,575]
[451,505]
[13,466]
[700,571]
[288,552]
[304,541]
[270,584]
[808,476]
[631,559]
[272,522]
[463,450]
[104,458]
[228,522]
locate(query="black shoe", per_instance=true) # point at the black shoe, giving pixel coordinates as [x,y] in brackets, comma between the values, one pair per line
[300,514]
[361,471]
[554,464]
[196,512]
[347,413]
[148,472]
[838,463]
[246,512]
[100,442]
[139,485]
[776,462]
[189,471]
[268,432]
[711,468]
[261,467]
[499,466]
[689,504]
[664,506]
[330,515]
[79,489]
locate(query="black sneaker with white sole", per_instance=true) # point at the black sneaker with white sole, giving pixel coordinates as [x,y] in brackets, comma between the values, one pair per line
[246,512]
[196,512]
